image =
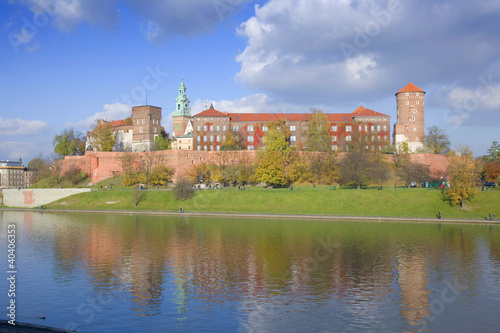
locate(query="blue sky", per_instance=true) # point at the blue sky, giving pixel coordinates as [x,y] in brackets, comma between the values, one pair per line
[66,63]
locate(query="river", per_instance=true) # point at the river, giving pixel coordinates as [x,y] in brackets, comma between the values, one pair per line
[139,273]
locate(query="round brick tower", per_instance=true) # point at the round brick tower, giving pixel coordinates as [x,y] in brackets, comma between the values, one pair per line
[410,127]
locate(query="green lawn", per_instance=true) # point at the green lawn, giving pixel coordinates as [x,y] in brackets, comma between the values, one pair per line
[322,200]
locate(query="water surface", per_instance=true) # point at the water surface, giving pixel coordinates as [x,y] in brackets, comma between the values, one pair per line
[133,273]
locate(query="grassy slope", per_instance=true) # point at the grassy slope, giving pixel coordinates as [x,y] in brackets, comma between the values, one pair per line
[306,200]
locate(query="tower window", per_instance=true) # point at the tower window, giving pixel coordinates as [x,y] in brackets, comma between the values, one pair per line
[418,102]
[407,102]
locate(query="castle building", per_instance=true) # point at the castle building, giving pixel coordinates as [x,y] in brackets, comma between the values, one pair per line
[136,133]
[410,127]
[211,128]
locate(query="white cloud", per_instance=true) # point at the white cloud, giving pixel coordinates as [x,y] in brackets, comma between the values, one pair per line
[18,126]
[13,150]
[324,50]
[115,111]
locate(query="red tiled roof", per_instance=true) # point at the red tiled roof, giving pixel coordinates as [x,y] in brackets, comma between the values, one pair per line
[266,117]
[120,122]
[411,87]
[211,113]
[364,112]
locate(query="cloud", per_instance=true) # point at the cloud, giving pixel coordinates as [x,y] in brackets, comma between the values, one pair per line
[14,127]
[13,150]
[331,50]
[160,19]
[115,111]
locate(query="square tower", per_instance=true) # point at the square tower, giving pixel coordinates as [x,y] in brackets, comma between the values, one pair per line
[146,125]
[410,127]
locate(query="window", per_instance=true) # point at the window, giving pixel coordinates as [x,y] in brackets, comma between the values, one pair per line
[224,127]
[378,138]
[204,138]
[334,147]
[217,148]
[373,137]
[143,120]
[348,138]
[334,138]
[198,147]
[218,128]
[407,94]
[250,128]
[211,138]
[292,128]
[204,128]
[359,128]
[372,127]
[413,118]
[211,128]
[249,147]
[417,94]
[138,121]
[235,128]
[366,128]
[348,128]
[407,102]
[211,148]
[205,148]
[223,138]
[385,127]
[293,138]
[198,138]
[140,129]
[378,127]
[217,138]
[198,128]
[154,130]
[334,128]
[414,129]
[250,138]
[417,102]
[264,128]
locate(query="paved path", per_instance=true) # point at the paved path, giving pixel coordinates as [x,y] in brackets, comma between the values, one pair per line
[263,216]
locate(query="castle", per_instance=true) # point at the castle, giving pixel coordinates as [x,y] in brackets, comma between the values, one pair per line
[209,129]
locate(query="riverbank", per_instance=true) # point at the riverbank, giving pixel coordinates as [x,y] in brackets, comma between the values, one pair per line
[302,202]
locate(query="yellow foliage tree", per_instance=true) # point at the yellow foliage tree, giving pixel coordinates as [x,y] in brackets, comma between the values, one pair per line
[464,172]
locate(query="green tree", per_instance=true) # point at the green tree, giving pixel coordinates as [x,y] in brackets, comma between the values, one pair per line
[162,141]
[103,137]
[437,140]
[409,171]
[270,169]
[183,189]
[463,172]
[493,151]
[318,133]
[40,167]
[233,141]
[69,142]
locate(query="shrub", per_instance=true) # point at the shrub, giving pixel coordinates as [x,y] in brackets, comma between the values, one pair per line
[183,189]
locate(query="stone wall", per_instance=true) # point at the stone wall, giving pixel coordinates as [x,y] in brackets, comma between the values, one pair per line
[29,198]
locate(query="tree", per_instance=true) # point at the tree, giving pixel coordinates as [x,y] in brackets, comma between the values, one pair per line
[277,138]
[40,167]
[437,140]
[103,137]
[355,168]
[409,171]
[492,170]
[162,141]
[69,142]
[160,175]
[494,151]
[233,141]
[318,133]
[463,172]
[183,189]
[270,169]
[74,175]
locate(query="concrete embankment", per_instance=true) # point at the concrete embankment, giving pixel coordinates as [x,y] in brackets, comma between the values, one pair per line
[29,198]
[267,216]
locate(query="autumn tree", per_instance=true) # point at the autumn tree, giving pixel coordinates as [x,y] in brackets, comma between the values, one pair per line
[492,170]
[277,138]
[318,133]
[463,171]
[355,168]
[270,169]
[160,175]
[233,141]
[69,142]
[103,138]
[409,171]
[437,140]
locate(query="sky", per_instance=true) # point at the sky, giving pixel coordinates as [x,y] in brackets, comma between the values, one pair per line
[66,63]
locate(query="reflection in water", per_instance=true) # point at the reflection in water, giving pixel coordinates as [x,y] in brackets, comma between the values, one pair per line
[249,275]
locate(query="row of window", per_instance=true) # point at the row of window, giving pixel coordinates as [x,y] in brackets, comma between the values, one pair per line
[217,138]
[348,128]
[217,147]
[250,128]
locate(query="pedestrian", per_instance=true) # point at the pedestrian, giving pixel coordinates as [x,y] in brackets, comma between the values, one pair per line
[439,215]
[490,216]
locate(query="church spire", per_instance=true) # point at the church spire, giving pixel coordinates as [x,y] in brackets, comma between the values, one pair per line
[182,102]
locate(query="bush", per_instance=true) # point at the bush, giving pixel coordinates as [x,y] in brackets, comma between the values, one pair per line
[74,175]
[183,189]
